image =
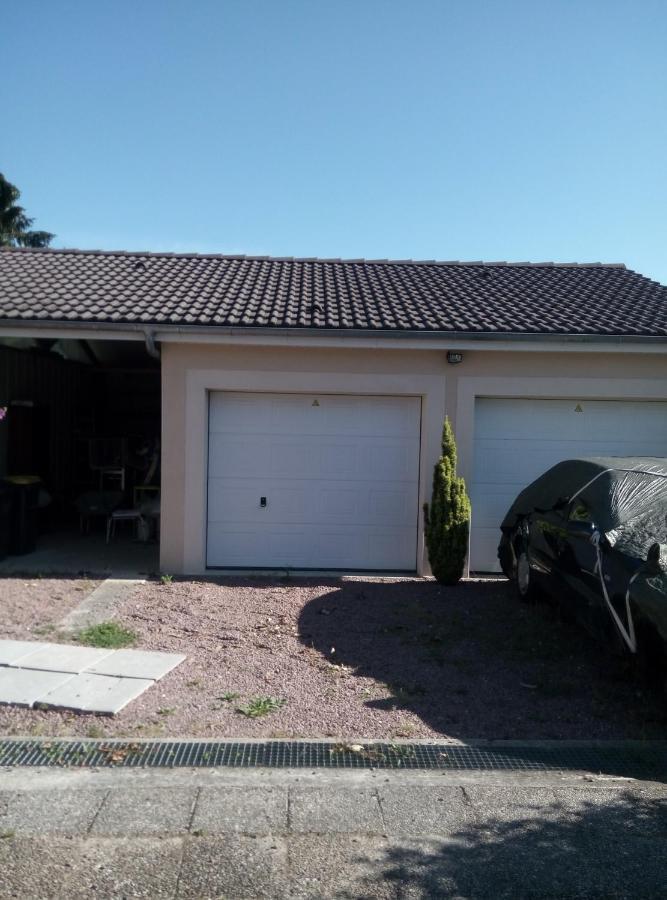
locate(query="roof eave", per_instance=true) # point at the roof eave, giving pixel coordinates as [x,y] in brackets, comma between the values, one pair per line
[292,336]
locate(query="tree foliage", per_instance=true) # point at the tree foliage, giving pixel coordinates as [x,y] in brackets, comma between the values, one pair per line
[447,519]
[15,225]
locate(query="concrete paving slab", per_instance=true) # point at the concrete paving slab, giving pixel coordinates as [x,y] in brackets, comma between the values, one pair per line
[131,867]
[495,804]
[41,867]
[23,687]
[146,811]
[62,868]
[62,658]
[340,865]
[137,664]
[94,693]
[238,866]
[413,809]
[642,811]
[50,812]
[257,810]
[336,809]
[12,651]
[101,604]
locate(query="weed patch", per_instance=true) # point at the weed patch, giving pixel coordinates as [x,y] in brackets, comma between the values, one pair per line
[107,634]
[260,706]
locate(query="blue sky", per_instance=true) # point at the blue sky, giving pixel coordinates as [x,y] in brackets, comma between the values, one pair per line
[477,129]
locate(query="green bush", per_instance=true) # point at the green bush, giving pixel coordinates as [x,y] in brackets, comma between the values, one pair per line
[447,519]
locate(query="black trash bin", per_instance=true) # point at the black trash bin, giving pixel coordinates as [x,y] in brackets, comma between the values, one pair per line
[24,492]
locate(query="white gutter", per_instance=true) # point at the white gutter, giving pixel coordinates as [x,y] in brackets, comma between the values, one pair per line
[337,338]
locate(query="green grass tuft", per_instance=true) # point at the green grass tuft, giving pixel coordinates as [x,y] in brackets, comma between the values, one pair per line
[260,706]
[229,696]
[107,634]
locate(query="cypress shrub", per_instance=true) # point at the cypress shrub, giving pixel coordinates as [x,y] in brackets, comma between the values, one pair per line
[447,519]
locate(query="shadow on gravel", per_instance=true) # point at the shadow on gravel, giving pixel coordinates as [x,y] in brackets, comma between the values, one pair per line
[608,848]
[472,662]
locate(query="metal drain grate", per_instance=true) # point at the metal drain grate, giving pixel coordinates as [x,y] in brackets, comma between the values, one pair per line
[637,761]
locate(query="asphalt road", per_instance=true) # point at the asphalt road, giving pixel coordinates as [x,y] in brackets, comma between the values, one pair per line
[335,834]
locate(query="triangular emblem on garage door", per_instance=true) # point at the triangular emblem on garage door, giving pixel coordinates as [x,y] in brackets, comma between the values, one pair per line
[578,408]
[315,403]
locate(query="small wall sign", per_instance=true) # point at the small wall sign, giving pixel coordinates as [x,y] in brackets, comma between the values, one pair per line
[315,403]
[578,408]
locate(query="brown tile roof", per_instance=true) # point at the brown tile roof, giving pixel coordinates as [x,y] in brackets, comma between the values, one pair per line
[368,295]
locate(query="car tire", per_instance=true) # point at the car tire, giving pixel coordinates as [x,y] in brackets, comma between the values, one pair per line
[525,583]
[507,557]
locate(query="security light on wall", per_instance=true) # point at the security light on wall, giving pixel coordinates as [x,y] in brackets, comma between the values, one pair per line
[453,357]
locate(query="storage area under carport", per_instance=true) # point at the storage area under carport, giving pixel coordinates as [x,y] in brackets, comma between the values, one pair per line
[79,455]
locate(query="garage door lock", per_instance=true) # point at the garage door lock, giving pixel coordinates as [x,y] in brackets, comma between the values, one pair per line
[262,501]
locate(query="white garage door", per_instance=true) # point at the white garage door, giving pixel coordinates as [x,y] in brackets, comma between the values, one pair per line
[313,481]
[517,440]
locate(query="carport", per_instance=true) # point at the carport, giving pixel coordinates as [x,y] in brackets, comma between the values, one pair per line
[79,455]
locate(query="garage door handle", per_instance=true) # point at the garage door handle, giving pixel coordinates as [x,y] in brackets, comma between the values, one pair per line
[262,501]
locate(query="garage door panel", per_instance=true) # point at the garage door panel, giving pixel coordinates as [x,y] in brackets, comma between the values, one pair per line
[289,415]
[234,500]
[340,476]
[486,550]
[237,457]
[335,547]
[235,544]
[291,460]
[491,501]
[338,502]
[281,455]
[296,547]
[231,500]
[242,414]
[284,544]
[517,440]
[339,459]
[387,418]
[390,504]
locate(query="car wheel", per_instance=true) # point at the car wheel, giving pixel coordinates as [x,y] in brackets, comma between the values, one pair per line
[507,557]
[524,578]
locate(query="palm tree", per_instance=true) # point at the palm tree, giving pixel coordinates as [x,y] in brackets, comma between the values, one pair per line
[14,224]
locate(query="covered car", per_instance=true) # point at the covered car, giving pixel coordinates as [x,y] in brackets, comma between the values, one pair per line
[592,533]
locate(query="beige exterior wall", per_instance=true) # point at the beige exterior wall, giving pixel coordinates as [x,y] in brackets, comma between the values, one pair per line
[190,371]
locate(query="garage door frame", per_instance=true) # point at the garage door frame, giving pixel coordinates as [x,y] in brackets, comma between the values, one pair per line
[429,386]
[535,388]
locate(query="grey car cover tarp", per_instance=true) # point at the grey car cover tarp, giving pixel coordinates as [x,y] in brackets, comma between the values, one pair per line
[627,497]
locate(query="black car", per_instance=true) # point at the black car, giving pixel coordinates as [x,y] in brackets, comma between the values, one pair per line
[592,534]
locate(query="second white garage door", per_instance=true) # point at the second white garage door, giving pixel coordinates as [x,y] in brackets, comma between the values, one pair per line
[313,481]
[517,440]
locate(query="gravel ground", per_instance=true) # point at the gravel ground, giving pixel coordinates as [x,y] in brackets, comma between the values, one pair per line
[365,658]
[31,608]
